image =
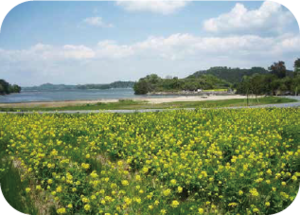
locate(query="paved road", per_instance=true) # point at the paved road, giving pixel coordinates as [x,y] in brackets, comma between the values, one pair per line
[283,105]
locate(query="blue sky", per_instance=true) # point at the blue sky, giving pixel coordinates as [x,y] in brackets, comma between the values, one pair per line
[101,42]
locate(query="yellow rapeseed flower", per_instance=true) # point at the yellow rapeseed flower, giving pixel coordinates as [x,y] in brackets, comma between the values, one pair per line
[200,210]
[167,192]
[61,211]
[87,207]
[174,204]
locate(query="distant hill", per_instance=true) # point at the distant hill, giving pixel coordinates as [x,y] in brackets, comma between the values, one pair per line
[49,86]
[232,75]
[116,84]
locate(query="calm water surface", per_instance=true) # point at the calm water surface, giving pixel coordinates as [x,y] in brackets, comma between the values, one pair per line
[65,95]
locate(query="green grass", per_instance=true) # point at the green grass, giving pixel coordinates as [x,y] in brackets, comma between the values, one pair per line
[136,105]
[12,190]
[216,90]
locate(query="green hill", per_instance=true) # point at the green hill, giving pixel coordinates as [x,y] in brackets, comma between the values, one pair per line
[49,86]
[153,83]
[233,75]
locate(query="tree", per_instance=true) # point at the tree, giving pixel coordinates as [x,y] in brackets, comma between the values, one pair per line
[1,90]
[295,88]
[153,78]
[275,85]
[278,69]
[15,89]
[141,87]
[5,86]
[297,67]
[257,84]
[245,87]
[268,84]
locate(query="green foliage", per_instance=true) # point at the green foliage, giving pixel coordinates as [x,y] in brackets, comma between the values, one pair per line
[141,87]
[277,81]
[6,88]
[297,66]
[278,69]
[232,75]
[11,186]
[153,83]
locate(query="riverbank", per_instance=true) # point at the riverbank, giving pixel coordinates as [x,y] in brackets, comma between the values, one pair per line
[142,105]
[150,100]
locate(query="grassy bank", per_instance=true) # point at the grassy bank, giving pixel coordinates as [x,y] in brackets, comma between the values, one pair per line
[135,105]
[12,187]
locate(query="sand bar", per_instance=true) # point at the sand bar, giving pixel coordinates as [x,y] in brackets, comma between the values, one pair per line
[153,100]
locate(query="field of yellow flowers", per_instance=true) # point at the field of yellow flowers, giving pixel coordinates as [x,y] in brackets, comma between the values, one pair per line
[244,161]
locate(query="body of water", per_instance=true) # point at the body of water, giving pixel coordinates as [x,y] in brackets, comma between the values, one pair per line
[67,95]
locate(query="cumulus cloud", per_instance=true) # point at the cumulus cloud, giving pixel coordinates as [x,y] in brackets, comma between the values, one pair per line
[177,54]
[155,6]
[173,47]
[271,17]
[97,22]
[77,52]
[110,49]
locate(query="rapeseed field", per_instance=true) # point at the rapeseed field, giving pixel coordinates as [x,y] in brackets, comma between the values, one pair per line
[224,161]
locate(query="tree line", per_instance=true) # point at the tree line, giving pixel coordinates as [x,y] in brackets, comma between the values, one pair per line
[154,83]
[232,75]
[259,81]
[276,82]
[7,88]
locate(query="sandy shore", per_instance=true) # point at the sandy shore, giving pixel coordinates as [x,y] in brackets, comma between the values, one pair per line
[147,99]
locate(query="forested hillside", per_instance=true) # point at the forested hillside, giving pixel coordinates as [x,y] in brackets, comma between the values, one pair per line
[232,75]
[154,83]
[257,80]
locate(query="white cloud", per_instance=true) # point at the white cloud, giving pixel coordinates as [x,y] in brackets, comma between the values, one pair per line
[97,22]
[177,55]
[77,52]
[156,6]
[173,47]
[110,49]
[290,43]
[271,17]
[48,53]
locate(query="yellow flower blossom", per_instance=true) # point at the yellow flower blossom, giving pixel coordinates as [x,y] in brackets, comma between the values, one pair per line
[167,192]
[174,204]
